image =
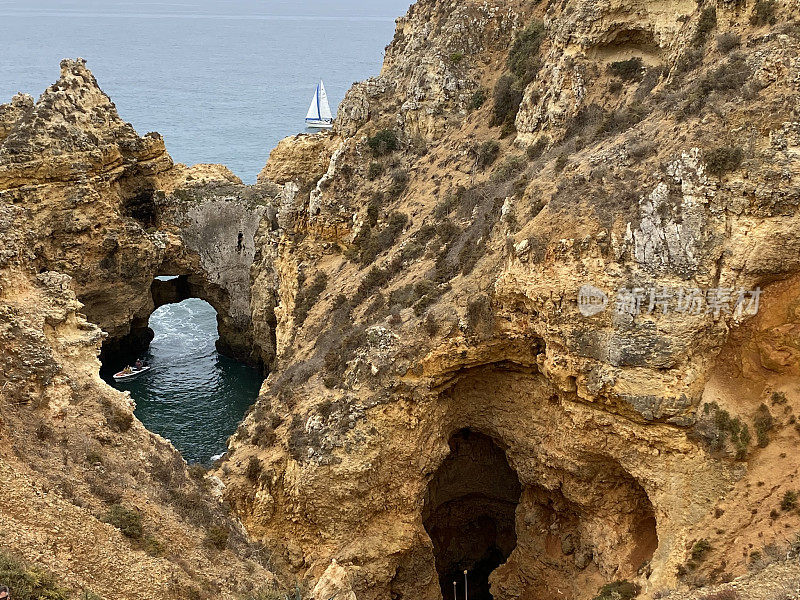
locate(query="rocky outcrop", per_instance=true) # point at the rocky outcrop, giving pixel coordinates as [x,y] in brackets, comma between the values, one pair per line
[110,209]
[90,213]
[13,112]
[568,284]
[74,461]
[301,159]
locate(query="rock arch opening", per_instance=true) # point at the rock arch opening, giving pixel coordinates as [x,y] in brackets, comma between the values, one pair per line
[469,513]
[233,339]
[569,517]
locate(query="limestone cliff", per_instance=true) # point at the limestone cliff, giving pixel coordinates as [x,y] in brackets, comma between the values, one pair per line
[88,493]
[428,329]
[442,394]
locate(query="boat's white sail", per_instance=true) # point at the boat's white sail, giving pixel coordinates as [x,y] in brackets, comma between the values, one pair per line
[319,111]
[324,107]
[313,109]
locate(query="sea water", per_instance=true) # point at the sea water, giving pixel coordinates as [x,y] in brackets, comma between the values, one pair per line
[192,395]
[223,81]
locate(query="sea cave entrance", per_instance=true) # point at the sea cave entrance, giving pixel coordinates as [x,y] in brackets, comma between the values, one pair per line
[469,513]
[193,395]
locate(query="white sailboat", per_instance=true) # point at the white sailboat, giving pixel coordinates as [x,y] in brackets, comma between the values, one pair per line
[319,112]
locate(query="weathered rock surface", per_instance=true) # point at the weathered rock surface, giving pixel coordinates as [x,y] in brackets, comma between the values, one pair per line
[431,290]
[301,159]
[438,399]
[80,243]
[110,209]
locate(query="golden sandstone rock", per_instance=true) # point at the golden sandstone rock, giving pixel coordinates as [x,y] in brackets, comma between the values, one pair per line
[437,399]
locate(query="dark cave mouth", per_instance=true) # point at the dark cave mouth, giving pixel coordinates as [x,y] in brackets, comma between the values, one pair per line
[469,514]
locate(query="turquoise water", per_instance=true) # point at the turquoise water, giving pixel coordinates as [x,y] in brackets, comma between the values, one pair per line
[223,81]
[192,396]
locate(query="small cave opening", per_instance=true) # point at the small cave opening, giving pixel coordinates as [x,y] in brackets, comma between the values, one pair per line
[469,513]
[141,205]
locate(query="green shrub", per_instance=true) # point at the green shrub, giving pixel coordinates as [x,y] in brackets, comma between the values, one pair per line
[153,547]
[399,182]
[430,325]
[419,145]
[423,304]
[375,277]
[374,242]
[763,13]
[403,296]
[536,149]
[456,57]
[728,77]
[263,435]
[700,549]
[253,470]
[714,426]
[706,24]
[508,128]
[375,170]
[383,142]
[728,41]
[335,365]
[689,60]
[509,167]
[523,58]
[561,162]
[27,582]
[128,521]
[763,424]
[618,590]
[487,153]
[476,100]
[628,70]
[723,160]
[217,537]
[778,398]
[789,500]
[507,98]
[307,297]
[374,208]
[620,120]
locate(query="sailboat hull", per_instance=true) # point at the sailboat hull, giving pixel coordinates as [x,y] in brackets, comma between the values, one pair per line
[319,124]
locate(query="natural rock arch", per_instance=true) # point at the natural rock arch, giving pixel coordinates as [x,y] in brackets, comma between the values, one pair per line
[206,235]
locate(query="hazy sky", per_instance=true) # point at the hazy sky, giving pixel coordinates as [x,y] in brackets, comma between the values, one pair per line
[308,8]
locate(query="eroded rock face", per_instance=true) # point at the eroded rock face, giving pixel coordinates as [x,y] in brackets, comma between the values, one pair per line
[413,298]
[434,289]
[110,209]
[72,450]
[90,213]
